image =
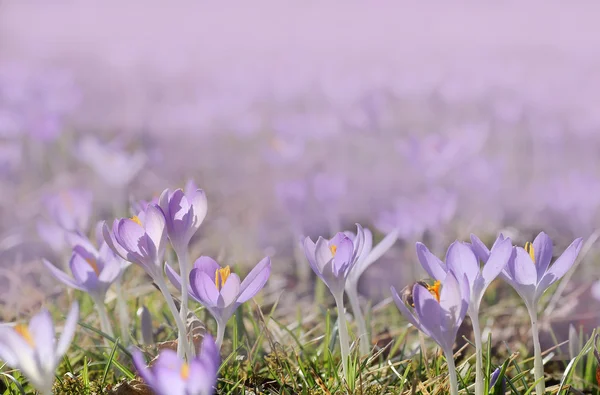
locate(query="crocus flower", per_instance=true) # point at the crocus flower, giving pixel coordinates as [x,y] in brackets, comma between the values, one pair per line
[68,211]
[33,348]
[142,240]
[184,212]
[170,375]
[221,291]
[494,380]
[462,260]
[332,260]
[529,272]
[368,255]
[438,312]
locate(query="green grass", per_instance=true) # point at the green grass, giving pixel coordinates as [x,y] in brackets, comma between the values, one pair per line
[273,346]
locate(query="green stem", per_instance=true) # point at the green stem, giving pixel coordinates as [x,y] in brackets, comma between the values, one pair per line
[538,364]
[123,313]
[479,386]
[363,334]
[184,270]
[343,331]
[451,372]
[185,347]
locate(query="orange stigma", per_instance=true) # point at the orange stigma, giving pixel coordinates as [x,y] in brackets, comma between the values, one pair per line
[530,251]
[222,275]
[92,262]
[435,290]
[185,371]
[136,220]
[23,331]
[333,249]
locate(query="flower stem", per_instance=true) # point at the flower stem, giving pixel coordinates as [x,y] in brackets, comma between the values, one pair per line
[220,333]
[182,258]
[451,372]
[185,350]
[343,330]
[538,365]
[363,334]
[123,313]
[104,321]
[479,386]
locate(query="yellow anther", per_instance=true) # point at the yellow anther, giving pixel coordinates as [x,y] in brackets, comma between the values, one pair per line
[333,249]
[530,251]
[221,276]
[435,290]
[136,220]
[25,334]
[185,371]
[92,262]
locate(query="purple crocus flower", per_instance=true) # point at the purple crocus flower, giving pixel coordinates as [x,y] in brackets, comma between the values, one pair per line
[140,239]
[462,260]
[221,291]
[184,213]
[170,375]
[69,211]
[438,314]
[332,260]
[93,270]
[33,348]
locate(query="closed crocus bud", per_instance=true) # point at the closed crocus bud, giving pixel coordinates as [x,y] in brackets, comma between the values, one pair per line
[500,387]
[147,334]
[33,348]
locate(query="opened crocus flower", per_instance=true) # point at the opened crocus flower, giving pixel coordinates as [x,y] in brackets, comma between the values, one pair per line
[93,272]
[220,290]
[33,348]
[438,312]
[142,240]
[170,375]
[462,260]
[529,272]
[332,260]
[184,213]
[368,255]
[69,211]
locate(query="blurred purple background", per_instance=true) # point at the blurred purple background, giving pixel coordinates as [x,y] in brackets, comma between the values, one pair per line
[441,120]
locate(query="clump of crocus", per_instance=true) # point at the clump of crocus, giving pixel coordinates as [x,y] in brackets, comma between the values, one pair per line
[142,240]
[368,256]
[332,261]
[220,290]
[170,375]
[33,348]
[68,211]
[184,212]
[529,272]
[93,271]
[461,259]
[438,311]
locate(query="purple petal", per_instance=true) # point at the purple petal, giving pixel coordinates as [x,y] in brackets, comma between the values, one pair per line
[408,314]
[432,264]
[542,249]
[462,261]
[83,273]
[109,239]
[110,272]
[207,265]
[480,249]
[204,288]
[524,269]
[133,239]
[142,369]
[62,276]
[255,280]
[343,256]
[68,330]
[154,225]
[429,312]
[561,266]
[309,252]
[200,204]
[322,254]
[230,291]
[41,328]
[75,239]
[173,276]
[497,261]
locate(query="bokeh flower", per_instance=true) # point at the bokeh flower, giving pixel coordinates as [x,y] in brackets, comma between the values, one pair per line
[33,348]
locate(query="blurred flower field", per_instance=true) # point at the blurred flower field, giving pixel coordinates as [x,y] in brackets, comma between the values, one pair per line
[288,224]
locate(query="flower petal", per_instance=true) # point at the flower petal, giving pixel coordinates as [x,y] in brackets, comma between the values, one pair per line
[62,276]
[132,237]
[68,331]
[408,314]
[497,261]
[173,276]
[322,253]
[230,291]
[204,288]
[207,265]
[41,328]
[462,261]
[542,248]
[255,280]
[432,264]
[142,369]
[561,266]
[110,240]
[479,248]
[83,273]
[155,227]
[430,313]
